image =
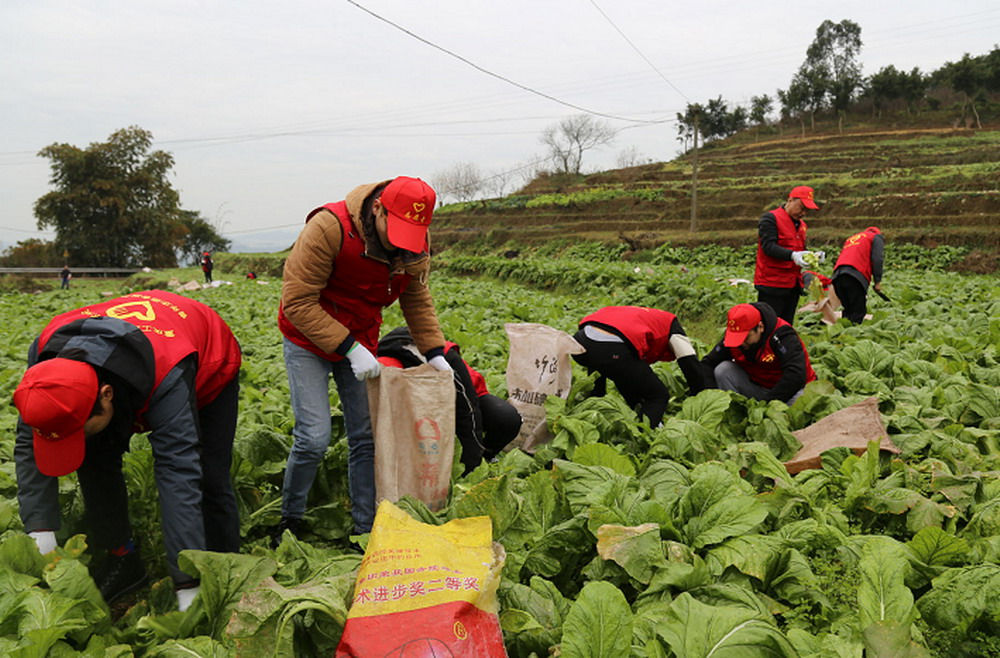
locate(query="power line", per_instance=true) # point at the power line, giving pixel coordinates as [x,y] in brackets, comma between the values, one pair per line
[639,52]
[491,73]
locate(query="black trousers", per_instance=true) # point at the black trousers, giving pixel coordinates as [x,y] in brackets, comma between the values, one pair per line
[501,423]
[633,377]
[105,496]
[853,296]
[784,301]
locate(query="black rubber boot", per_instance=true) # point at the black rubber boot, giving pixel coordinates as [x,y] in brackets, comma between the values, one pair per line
[120,575]
[292,525]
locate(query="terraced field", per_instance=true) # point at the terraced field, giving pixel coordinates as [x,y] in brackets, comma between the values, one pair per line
[926,186]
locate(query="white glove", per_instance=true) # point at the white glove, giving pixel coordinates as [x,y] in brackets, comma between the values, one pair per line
[363,364]
[45,540]
[441,364]
[821,255]
[797,258]
[186,596]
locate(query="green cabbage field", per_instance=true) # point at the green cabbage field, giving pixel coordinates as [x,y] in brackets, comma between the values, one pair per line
[687,540]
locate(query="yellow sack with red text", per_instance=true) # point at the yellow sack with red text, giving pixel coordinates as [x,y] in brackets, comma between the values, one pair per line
[425,590]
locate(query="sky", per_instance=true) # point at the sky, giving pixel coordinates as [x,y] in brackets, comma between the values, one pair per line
[271,109]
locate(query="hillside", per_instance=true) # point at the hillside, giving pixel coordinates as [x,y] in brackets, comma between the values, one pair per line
[922,184]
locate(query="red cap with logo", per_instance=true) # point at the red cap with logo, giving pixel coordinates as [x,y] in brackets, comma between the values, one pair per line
[410,205]
[742,318]
[55,398]
[804,193]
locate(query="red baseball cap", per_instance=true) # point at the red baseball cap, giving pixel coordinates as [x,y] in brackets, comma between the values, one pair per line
[742,318]
[55,398]
[804,193]
[410,204]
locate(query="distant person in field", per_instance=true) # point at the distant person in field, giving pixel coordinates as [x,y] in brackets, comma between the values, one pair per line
[207,266]
[623,341]
[64,277]
[352,259]
[484,423]
[148,361]
[761,356]
[859,264]
[781,251]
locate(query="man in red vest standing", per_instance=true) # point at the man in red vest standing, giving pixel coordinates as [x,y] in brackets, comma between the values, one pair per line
[149,361]
[761,356]
[781,251]
[352,259]
[860,264]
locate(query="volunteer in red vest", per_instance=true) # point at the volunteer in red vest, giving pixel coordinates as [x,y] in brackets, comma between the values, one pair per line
[149,361]
[858,266]
[352,259]
[623,341]
[781,247]
[761,356]
[484,423]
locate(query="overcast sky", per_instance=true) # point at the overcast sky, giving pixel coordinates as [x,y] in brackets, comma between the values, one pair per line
[272,108]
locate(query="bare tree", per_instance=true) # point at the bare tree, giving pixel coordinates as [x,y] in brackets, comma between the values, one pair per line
[462,182]
[568,139]
[630,157]
[530,170]
[496,183]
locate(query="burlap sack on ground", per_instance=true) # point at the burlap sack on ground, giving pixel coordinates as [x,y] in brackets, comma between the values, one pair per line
[413,422]
[852,427]
[539,365]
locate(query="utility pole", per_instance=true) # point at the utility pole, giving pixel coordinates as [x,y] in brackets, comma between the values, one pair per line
[694,175]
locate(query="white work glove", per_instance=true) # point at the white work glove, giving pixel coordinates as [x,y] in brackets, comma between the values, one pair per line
[797,258]
[186,596]
[441,363]
[363,364]
[45,540]
[821,255]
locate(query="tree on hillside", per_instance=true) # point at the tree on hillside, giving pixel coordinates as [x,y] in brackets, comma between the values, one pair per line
[885,86]
[833,56]
[713,120]
[968,76]
[462,182]
[200,237]
[570,138]
[760,109]
[794,102]
[808,91]
[112,204]
[914,89]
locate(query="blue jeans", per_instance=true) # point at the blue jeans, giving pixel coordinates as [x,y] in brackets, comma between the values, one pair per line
[309,385]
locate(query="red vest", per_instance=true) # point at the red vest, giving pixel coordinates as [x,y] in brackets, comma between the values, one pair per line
[176,327]
[857,252]
[648,329]
[765,368]
[356,292]
[781,273]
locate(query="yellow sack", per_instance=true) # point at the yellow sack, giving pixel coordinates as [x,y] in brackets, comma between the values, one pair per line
[426,590]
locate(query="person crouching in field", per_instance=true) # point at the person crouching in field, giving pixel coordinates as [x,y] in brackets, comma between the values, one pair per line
[149,361]
[352,259]
[761,356]
[859,264]
[623,341]
[484,423]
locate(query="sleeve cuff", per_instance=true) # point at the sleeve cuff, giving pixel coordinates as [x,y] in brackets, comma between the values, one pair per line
[345,346]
